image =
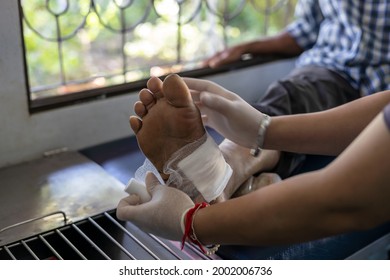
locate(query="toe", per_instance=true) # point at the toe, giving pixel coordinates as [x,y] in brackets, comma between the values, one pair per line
[147,98]
[155,85]
[135,124]
[140,109]
[176,91]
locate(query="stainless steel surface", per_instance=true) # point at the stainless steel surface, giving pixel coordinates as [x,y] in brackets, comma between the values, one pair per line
[100,237]
[15,226]
[63,207]
[131,236]
[65,183]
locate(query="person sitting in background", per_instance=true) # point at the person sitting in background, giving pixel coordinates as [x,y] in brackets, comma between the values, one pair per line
[343,53]
[350,194]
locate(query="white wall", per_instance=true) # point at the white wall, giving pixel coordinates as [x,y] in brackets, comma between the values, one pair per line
[24,136]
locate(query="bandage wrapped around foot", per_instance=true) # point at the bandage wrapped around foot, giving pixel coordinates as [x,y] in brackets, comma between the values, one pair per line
[198,169]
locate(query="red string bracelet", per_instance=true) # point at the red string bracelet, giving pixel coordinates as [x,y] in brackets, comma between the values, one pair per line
[189,229]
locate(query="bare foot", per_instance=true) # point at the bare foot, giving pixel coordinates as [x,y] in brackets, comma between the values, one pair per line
[167,120]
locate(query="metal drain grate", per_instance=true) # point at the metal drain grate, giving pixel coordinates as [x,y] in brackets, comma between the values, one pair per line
[97,238]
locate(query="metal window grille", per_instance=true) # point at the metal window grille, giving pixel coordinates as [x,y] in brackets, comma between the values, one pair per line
[101,237]
[81,46]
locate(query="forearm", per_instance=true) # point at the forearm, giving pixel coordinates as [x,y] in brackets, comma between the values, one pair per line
[328,132]
[281,44]
[288,212]
[350,194]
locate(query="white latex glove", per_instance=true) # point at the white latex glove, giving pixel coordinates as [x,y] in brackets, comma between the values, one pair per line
[226,112]
[162,215]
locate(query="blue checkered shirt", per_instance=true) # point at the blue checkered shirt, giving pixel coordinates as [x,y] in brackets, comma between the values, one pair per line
[350,37]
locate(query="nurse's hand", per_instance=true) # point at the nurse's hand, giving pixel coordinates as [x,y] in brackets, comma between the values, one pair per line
[162,215]
[226,112]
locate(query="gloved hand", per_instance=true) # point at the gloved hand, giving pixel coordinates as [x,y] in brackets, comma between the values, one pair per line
[162,215]
[226,112]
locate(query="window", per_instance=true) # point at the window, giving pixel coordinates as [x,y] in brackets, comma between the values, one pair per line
[81,49]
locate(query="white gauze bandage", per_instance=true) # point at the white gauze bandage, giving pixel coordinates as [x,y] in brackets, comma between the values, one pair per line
[136,187]
[199,167]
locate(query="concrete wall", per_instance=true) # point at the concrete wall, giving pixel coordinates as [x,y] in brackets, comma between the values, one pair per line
[24,136]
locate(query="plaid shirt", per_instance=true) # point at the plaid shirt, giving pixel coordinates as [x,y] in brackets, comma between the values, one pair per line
[350,37]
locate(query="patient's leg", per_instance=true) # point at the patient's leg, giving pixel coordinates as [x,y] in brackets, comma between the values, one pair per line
[245,165]
[170,120]
[169,129]
[255,183]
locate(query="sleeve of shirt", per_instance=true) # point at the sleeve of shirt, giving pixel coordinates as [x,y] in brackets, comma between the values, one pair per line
[306,26]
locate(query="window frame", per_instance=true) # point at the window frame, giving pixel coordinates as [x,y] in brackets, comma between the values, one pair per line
[55,102]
